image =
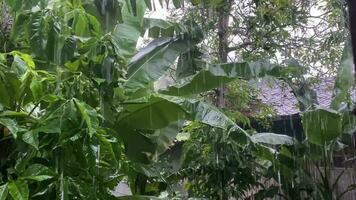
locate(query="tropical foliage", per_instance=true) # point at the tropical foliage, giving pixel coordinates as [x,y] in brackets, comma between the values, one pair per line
[80,111]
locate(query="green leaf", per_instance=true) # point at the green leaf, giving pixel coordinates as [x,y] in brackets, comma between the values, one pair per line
[348,123]
[89,115]
[81,24]
[125,35]
[187,65]
[37,33]
[152,61]
[344,80]
[155,113]
[160,28]
[31,138]
[138,147]
[215,75]
[22,61]
[14,4]
[17,5]
[11,125]
[19,26]
[18,190]
[205,113]
[55,42]
[37,172]
[5,96]
[164,137]
[321,125]
[134,7]
[272,138]
[49,126]
[177,3]
[148,4]
[3,192]
[9,88]
[139,197]
[36,88]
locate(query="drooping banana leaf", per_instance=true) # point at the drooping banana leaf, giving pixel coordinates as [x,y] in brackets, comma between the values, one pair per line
[159,28]
[187,65]
[151,62]
[321,125]
[140,120]
[163,138]
[344,79]
[139,197]
[156,113]
[272,138]
[215,75]
[126,34]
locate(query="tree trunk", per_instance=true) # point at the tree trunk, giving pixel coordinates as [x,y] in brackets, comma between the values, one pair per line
[223,24]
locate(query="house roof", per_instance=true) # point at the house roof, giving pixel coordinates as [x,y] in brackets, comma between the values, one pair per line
[278,94]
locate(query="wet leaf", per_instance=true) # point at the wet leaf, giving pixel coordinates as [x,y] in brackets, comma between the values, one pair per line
[89,115]
[345,78]
[18,190]
[3,192]
[272,138]
[321,125]
[37,172]
[215,75]
[31,138]
[11,125]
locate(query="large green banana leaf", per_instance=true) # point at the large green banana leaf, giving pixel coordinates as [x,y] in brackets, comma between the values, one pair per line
[344,79]
[139,121]
[321,125]
[272,138]
[159,28]
[215,75]
[153,61]
[126,34]
[156,113]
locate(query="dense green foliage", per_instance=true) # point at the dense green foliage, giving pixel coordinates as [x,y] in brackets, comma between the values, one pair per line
[80,113]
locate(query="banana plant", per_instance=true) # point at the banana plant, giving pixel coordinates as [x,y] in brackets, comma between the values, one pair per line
[78,111]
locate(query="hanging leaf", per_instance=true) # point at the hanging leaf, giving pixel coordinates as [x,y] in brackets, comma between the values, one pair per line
[272,138]
[153,61]
[161,28]
[139,197]
[37,33]
[25,61]
[345,78]
[89,116]
[177,3]
[36,87]
[138,147]
[5,96]
[156,113]
[187,64]
[215,75]
[148,4]
[207,114]
[321,125]
[163,138]
[126,34]
[54,41]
